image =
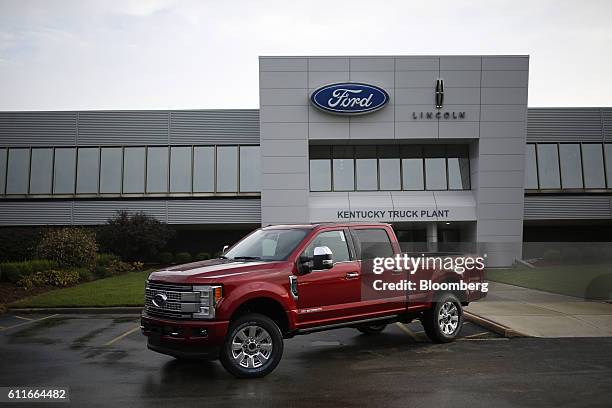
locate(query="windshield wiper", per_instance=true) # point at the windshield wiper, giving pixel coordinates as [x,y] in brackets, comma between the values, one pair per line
[246,258]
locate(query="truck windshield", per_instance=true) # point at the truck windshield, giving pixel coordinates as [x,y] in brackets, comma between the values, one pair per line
[267,245]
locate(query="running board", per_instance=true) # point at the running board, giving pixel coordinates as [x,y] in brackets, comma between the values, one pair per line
[352,323]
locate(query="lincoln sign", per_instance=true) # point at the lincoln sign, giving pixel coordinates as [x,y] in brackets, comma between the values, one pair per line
[349,98]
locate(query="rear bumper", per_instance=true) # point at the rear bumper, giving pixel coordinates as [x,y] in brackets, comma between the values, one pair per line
[184,338]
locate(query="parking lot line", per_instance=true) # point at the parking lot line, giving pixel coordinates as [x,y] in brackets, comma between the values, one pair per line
[23,318]
[409,332]
[478,339]
[27,322]
[475,335]
[127,333]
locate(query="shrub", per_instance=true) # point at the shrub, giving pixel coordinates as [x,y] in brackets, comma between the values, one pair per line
[13,271]
[69,247]
[552,255]
[183,257]
[85,275]
[101,272]
[105,259]
[18,243]
[166,258]
[135,236]
[52,277]
[138,266]
[202,256]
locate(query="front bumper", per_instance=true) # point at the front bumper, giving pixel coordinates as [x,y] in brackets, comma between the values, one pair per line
[183,338]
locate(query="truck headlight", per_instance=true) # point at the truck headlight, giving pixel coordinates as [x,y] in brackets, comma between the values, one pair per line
[209,298]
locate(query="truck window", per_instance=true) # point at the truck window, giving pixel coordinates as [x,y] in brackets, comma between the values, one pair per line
[268,245]
[334,240]
[373,243]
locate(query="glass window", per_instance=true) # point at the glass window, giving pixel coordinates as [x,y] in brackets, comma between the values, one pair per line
[412,167]
[157,170]
[110,170]
[64,171]
[548,166]
[180,169]
[373,243]
[268,244]
[2,170]
[320,168]
[592,163]
[366,168]
[571,168]
[335,241]
[343,168]
[134,170]
[389,168]
[88,170]
[227,169]
[458,167]
[531,168]
[608,151]
[41,171]
[203,169]
[435,167]
[249,168]
[17,173]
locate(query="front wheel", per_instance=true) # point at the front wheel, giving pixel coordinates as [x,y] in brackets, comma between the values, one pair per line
[442,323]
[253,346]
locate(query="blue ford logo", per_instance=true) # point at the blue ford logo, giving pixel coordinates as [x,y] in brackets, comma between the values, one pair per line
[349,98]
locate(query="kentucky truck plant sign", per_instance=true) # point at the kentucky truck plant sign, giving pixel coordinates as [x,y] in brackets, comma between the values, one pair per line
[349,98]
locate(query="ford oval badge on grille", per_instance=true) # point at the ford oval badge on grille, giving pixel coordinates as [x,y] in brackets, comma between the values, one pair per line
[349,98]
[159,300]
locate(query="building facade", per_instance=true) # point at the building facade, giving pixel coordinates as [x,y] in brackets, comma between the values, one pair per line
[452,155]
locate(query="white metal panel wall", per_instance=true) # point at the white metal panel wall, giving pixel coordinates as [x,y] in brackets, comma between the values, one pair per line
[94,212]
[38,128]
[556,125]
[125,128]
[568,207]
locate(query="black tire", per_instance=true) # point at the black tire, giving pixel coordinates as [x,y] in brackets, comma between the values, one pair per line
[372,328]
[254,351]
[439,324]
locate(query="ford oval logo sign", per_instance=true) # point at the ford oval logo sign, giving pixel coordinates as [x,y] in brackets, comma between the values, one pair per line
[349,98]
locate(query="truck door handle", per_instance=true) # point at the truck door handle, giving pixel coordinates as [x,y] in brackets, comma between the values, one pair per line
[352,275]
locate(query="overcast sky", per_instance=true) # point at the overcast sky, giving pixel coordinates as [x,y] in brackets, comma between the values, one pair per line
[159,54]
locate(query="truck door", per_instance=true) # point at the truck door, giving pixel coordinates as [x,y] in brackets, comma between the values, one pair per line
[371,243]
[325,296]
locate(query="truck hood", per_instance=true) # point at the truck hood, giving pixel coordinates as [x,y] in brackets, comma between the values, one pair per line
[216,270]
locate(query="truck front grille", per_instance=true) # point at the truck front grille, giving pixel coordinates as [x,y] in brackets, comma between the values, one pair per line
[173,301]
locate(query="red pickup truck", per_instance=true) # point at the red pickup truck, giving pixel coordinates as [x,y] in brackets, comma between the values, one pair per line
[285,280]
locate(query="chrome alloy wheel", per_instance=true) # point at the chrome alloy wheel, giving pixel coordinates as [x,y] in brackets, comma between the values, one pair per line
[448,318]
[252,347]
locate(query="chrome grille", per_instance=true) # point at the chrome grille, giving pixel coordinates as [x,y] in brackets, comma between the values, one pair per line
[180,303]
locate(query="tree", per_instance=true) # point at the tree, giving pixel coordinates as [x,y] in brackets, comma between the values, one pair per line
[134,237]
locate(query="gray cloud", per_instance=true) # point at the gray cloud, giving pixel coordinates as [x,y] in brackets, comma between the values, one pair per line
[74,54]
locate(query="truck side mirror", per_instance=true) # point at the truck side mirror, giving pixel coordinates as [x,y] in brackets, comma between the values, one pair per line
[322,258]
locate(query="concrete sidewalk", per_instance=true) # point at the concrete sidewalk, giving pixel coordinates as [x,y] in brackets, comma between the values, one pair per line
[542,314]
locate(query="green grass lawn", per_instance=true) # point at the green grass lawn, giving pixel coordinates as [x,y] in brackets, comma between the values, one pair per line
[122,290]
[584,281]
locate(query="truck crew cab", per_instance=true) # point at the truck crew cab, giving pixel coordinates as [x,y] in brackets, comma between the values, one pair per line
[285,280]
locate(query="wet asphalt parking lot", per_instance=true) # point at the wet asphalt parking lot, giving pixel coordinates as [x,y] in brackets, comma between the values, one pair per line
[104,361]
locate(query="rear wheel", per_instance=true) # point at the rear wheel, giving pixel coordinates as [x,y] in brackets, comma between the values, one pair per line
[253,346]
[442,323]
[372,328]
